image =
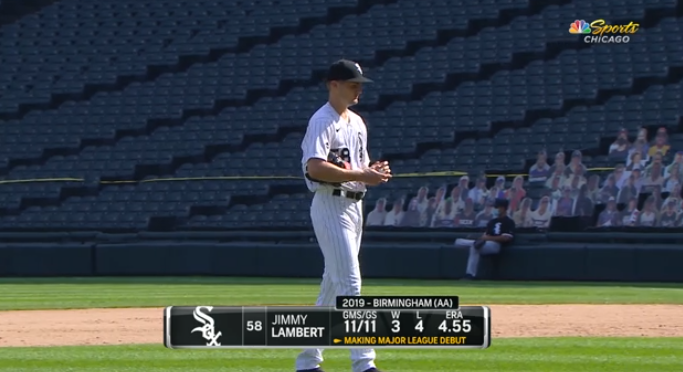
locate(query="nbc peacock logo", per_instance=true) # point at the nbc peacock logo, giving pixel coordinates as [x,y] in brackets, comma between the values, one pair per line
[579,27]
[601,32]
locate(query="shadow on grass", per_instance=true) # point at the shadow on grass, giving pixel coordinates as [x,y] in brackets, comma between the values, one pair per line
[249,281]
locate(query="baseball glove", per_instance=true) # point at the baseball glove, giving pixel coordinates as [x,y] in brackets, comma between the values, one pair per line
[479,243]
[336,160]
[332,158]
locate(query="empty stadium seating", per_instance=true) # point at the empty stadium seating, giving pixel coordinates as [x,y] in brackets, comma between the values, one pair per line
[96,97]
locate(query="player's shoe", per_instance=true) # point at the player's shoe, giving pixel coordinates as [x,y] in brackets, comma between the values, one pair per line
[311,370]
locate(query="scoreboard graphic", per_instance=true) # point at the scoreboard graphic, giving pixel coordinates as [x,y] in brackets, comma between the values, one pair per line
[356,322]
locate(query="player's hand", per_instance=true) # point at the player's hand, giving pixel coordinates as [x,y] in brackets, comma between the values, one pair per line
[373,177]
[382,166]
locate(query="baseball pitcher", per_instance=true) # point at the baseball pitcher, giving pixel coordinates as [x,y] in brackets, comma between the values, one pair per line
[337,169]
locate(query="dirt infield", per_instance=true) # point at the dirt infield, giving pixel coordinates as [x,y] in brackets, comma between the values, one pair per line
[138,326]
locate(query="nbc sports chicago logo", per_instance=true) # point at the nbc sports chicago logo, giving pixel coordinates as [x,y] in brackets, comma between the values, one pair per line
[599,32]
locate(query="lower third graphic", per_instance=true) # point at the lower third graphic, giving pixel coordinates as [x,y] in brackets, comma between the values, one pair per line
[208,329]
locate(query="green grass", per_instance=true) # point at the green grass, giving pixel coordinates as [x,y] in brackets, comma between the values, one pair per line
[506,355]
[47,293]
[509,355]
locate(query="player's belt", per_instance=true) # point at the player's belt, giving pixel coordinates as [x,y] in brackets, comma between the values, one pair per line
[349,194]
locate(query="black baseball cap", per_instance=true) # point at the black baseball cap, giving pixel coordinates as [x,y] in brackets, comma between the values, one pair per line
[345,70]
[501,203]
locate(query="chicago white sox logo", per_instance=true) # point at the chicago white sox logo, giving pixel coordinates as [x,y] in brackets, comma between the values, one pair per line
[359,69]
[208,329]
[496,228]
[360,148]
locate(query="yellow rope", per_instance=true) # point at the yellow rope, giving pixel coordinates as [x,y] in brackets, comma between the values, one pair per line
[241,178]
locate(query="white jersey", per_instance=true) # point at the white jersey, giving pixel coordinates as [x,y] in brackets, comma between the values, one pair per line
[328,132]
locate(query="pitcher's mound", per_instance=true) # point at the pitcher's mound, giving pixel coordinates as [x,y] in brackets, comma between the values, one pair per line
[144,326]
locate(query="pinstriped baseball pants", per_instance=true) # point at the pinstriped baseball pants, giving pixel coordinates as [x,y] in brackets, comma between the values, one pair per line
[338,225]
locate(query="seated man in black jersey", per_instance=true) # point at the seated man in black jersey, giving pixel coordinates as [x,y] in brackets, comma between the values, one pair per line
[499,233]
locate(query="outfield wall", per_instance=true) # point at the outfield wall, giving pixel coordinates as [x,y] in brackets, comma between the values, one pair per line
[425,260]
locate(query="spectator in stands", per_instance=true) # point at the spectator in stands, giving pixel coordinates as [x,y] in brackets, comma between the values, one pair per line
[422,200]
[500,183]
[609,216]
[500,232]
[445,214]
[593,187]
[635,160]
[555,190]
[515,193]
[479,193]
[657,158]
[649,216]
[458,203]
[493,192]
[466,217]
[620,174]
[540,171]
[394,216]
[583,205]
[576,165]
[464,185]
[565,205]
[629,190]
[676,163]
[574,182]
[559,163]
[559,172]
[610,190]
[619,149]
[675,193]
[654,178]
[521,215]
[638,177]
[498,190]
[669,216]
[641,141]
[629,215]
[376,216]
[428,214]
[411,217]
[542,215]
[660,143]
[643,147]
[485,216]
[440,195]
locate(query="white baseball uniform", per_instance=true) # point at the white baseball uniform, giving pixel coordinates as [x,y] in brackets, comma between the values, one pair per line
[337,219]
